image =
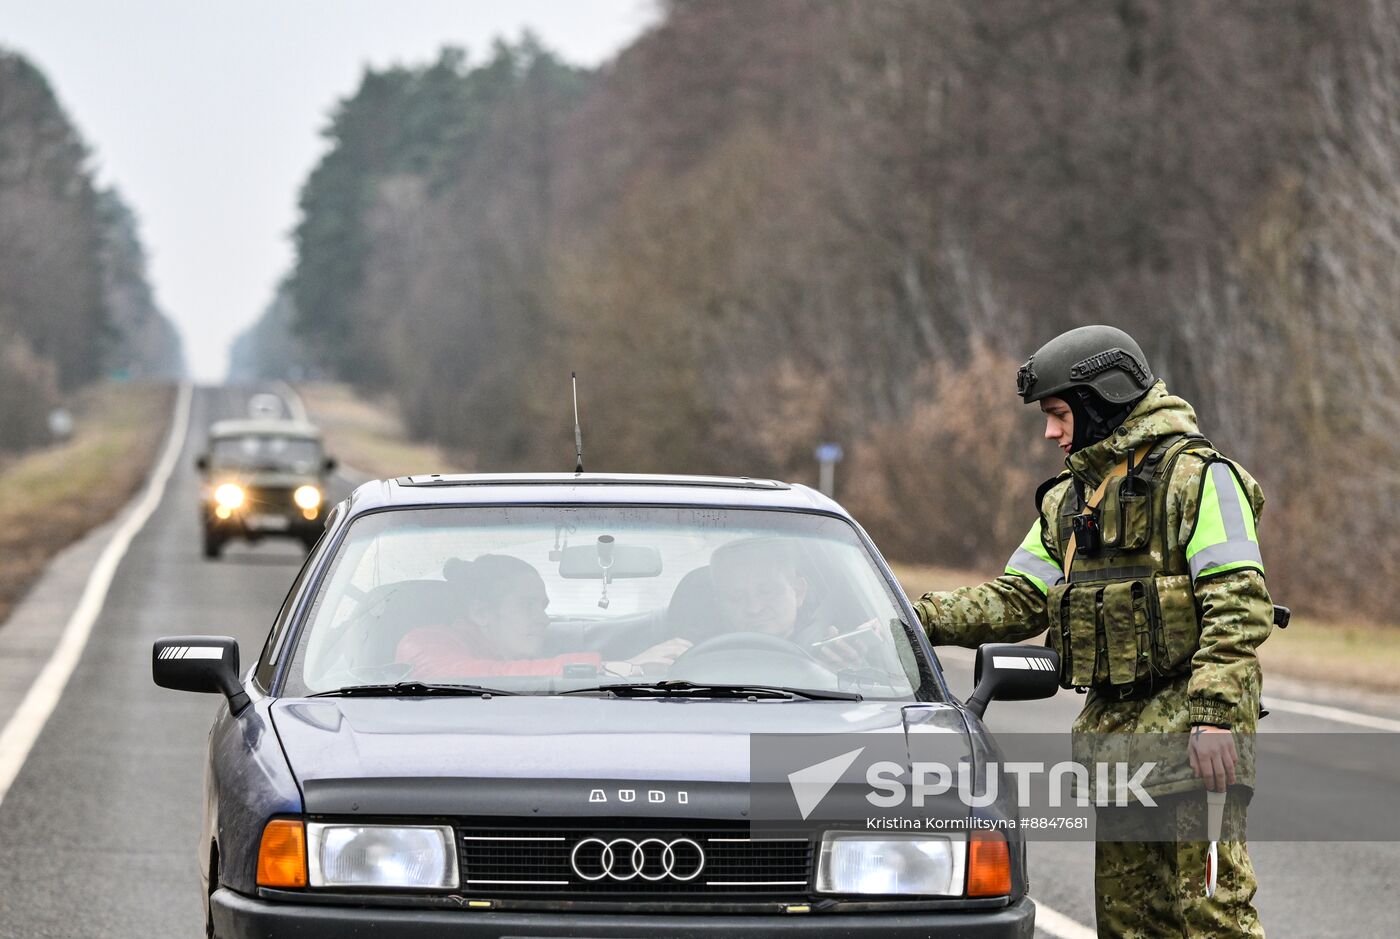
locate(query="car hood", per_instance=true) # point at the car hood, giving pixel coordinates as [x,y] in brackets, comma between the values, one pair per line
[434,755]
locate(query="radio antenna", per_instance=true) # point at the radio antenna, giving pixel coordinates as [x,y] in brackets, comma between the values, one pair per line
[578,431]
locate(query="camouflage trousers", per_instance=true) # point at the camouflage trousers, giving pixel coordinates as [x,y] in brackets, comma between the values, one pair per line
[1152,889]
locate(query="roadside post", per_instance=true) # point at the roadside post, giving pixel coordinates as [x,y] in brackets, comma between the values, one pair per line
[60,425]
[828,455]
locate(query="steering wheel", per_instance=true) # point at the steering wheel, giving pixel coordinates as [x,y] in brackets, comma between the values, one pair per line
[751,658]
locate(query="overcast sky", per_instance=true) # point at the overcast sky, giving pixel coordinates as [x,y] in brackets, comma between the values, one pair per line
[207,115]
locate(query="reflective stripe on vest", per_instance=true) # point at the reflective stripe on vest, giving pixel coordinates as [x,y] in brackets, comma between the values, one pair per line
[1033,562]
[1224,539]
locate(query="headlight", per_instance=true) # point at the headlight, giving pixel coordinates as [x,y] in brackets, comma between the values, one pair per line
[229,495]
[926,865]
[307,497]
[406,857]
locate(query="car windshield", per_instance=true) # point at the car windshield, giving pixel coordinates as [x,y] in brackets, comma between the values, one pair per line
[544,600]
[271,451]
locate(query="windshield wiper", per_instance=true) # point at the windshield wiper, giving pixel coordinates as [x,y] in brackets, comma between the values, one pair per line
[410,689]
[678,688]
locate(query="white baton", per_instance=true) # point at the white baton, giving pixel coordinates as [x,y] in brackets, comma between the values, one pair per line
[1215,822]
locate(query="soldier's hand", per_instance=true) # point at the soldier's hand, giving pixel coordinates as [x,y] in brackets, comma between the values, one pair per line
[837,650]
[1212,755]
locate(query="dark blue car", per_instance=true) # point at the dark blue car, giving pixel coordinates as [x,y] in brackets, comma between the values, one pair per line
[527,706]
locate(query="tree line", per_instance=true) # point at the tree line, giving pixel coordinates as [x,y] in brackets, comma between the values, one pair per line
[767,225]
[75,302]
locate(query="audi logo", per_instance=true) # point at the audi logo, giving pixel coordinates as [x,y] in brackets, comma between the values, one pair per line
[651,859]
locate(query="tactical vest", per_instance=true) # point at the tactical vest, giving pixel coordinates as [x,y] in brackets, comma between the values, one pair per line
[1126,623]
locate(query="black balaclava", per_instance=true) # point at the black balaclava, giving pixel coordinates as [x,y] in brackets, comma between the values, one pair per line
[1094,418]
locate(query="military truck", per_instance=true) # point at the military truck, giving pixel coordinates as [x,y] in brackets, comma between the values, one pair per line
[262,478]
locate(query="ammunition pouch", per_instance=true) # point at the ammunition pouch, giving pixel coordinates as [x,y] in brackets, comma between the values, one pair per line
[1122,636]
[1126,522]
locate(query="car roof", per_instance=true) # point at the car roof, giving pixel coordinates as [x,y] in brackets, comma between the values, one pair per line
[265,426]
[588,488]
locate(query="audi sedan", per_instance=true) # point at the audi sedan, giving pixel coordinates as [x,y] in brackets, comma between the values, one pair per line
[593,706]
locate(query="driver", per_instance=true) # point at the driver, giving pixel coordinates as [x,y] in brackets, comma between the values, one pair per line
[760,589]
[503,627]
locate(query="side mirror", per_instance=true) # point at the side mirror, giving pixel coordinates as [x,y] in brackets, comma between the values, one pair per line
[1012,672]
[330,464]
[199,663]
[201,463]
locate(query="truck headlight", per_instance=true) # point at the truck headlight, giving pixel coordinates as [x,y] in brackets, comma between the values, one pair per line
[307,497]
[411,857]
[229,495]
[925,865]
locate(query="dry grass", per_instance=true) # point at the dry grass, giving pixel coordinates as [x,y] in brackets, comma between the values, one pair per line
[919,579]
[1347,653]
[367,436]
[50,498]
[1354,654]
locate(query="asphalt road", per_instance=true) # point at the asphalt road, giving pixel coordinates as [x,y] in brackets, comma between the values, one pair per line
[98,829]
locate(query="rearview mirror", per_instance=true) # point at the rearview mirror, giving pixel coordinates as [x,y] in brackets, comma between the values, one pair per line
[588,561]
[1012,672]
[199,663]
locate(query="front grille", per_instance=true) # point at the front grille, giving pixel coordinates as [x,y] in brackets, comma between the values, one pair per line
[270,497]
[706,862]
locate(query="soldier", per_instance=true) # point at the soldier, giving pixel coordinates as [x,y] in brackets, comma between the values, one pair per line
[1144,566]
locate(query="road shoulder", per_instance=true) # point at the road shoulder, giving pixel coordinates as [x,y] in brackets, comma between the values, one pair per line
[35,624]
[51,497]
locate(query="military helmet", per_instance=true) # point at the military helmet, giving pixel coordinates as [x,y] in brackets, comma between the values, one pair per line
[1106,360]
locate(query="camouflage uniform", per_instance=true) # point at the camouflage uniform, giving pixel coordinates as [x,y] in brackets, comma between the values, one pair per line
[1150,888]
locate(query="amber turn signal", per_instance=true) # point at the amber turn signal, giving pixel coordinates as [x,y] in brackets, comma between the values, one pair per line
[282,854]
[988,865]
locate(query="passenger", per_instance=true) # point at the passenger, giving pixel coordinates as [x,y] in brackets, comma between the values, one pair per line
[503,628]
[760,589]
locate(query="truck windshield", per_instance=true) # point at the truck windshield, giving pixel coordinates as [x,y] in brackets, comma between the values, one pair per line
[548,599]
[278,451]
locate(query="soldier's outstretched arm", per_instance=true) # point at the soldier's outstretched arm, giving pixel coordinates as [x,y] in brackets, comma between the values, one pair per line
[1007,609]
[1236,611]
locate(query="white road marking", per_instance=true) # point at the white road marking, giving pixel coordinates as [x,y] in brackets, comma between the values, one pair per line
[1339,715]
[28,721]
[1054,923]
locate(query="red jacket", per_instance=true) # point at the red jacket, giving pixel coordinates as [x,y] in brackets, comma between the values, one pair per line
[440,652]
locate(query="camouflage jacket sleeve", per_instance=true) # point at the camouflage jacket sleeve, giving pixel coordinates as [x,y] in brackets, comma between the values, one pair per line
[1219,504]
[1008,609]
